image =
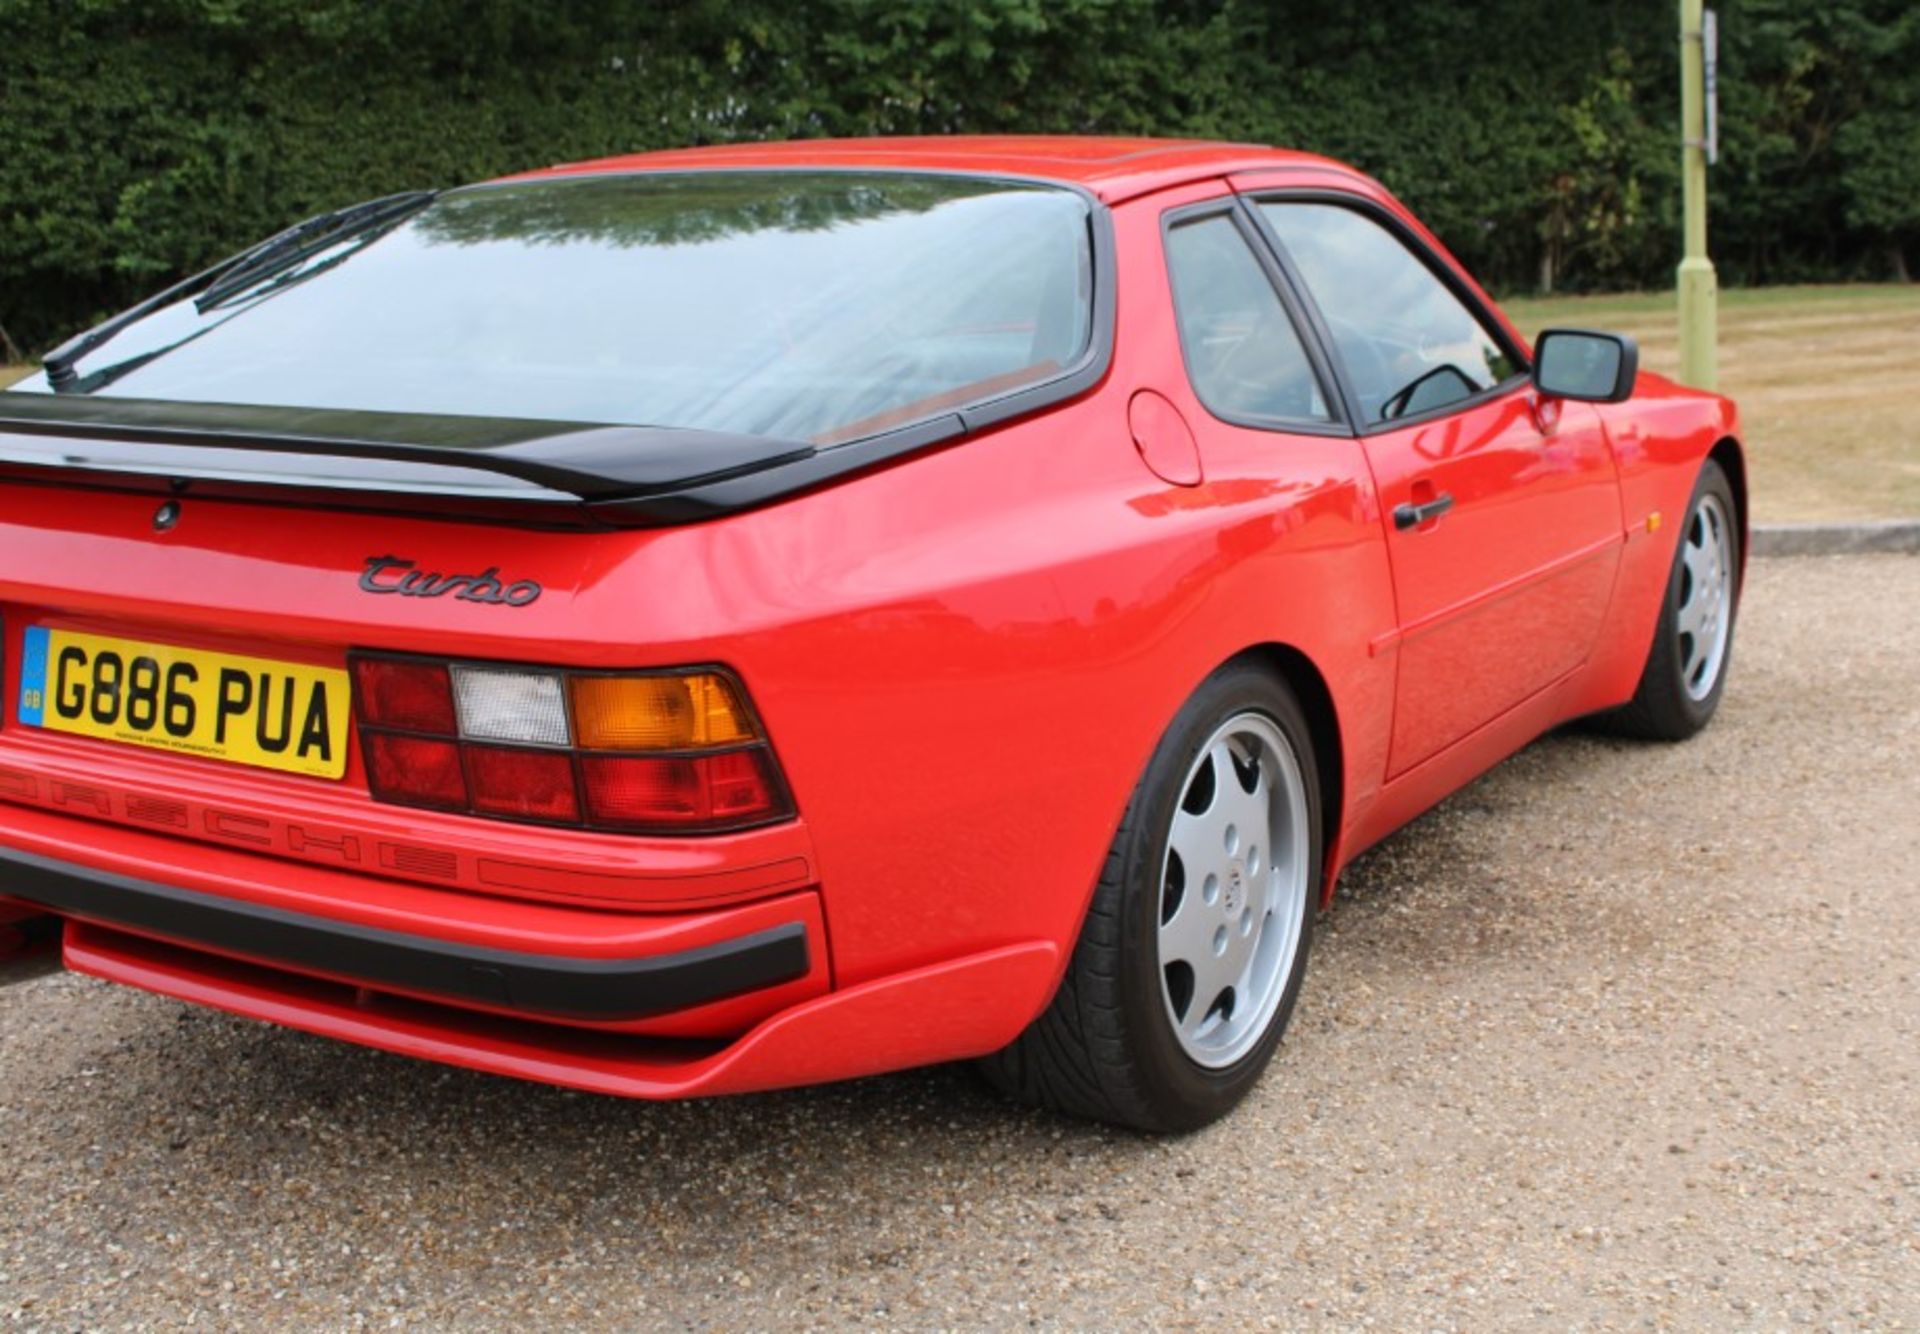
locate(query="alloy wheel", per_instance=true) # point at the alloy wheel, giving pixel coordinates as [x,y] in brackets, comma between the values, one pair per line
[1233,889]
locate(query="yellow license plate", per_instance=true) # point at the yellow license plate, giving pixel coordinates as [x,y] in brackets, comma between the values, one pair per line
[277,715]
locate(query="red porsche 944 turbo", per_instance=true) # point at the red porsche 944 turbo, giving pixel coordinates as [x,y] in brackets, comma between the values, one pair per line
[732,618]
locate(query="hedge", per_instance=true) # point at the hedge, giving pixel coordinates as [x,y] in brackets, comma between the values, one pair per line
[143,138]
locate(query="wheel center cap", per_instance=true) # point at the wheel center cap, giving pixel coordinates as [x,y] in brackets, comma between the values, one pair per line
[1234,892]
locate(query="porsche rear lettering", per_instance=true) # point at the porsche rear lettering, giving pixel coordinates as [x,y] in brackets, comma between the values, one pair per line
[79,794]
[394,574]
[322,846]
[309,841]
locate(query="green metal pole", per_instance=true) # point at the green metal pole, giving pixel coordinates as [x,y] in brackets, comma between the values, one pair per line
[1699,289]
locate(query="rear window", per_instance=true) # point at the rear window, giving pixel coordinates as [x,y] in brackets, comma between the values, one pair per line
[818,306]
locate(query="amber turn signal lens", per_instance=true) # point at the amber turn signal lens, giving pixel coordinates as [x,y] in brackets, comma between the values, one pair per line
[690,712]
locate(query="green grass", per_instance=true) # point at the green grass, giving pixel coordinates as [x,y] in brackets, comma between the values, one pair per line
[1827,379]
[1736,303]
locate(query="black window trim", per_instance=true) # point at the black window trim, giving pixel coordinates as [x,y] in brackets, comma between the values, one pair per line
[1303,319]
[1449,277]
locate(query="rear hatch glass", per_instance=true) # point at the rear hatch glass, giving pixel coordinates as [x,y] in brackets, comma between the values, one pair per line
[807,306]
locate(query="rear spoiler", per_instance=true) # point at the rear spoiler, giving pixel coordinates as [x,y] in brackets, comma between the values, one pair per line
[566,473]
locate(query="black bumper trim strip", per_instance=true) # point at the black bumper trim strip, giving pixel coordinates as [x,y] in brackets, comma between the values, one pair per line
[536,984]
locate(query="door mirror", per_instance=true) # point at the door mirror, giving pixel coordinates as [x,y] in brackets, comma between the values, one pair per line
[1581,364]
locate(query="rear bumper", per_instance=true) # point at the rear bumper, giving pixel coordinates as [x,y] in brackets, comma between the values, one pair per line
[407,969]
[944,1012]
[537,984]
[704,973]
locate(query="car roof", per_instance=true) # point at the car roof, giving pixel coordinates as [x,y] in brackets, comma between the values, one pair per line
[1111,168]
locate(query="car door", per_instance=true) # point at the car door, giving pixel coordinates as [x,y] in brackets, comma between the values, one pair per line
[1502,509]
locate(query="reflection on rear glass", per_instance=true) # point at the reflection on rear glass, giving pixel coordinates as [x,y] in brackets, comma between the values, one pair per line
[818,305]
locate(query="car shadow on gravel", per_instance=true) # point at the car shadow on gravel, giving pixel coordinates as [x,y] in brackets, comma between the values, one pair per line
[249,1120]
[28,950]
[251,1115]
[1502,869]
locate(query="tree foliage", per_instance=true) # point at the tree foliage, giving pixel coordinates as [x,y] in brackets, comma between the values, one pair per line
[144,138]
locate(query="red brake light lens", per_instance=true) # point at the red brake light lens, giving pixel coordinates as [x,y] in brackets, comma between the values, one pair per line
[629,791]
[641,752]
[411,696]
[740,784]
[415,770]
[527,784]
[635,791]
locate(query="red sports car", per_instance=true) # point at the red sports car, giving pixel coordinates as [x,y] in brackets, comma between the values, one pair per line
[739,617]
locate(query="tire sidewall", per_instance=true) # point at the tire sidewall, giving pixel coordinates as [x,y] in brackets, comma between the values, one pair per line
[1712,481]
[1188,1094]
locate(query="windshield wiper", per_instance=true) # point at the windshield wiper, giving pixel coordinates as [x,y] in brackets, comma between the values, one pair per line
[309,238]
[260,286]
[232,276]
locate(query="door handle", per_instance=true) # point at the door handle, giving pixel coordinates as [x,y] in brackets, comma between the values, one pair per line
[1412,516]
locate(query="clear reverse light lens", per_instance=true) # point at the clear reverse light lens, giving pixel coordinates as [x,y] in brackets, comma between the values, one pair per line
[511,706]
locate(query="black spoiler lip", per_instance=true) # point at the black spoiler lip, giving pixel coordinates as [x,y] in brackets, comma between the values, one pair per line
[479,458]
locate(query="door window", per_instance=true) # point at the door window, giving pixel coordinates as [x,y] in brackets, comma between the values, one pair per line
[1409,344]
[1244,356]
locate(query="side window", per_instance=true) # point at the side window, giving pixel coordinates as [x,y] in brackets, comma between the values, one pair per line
[1243,354]
[1408,343]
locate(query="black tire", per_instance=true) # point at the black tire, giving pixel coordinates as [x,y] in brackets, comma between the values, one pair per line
[1106,1048]
[1662,707]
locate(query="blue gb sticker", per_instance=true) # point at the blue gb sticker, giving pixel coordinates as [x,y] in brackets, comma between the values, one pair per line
[33,676]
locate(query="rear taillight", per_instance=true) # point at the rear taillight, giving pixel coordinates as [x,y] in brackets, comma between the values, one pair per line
[642,752]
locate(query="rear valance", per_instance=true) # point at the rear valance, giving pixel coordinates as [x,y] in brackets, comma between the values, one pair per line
[622,475]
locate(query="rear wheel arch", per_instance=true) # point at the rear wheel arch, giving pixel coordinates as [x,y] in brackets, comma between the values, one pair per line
[1295,670]
[1116,1041]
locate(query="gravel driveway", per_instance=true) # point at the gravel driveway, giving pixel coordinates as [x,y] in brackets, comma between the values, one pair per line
[1623,1035]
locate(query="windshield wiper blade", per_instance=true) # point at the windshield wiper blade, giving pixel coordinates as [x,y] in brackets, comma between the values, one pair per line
[309,238]
[255,262]
[94,381]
